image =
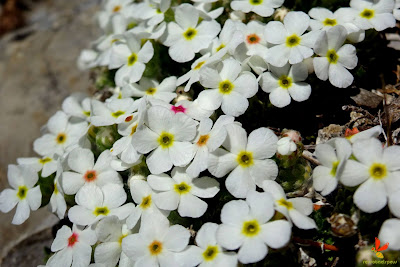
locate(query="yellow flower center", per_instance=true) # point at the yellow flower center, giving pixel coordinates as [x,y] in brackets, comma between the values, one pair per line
[86,113]
[329,22]
[151,91]
[334,168]
[332,56]
[55,189]
[120,239]
[255,2]
[285,82]
[22,191]
[132,59]
[220,47]
[292,40]
[378,171]
[189,34]
[155,247]
[118,113]
[251,228]
[285,203]
[116,8]
[101,211]
[203,140]
[245,159]
[45,160]
[61,138]
[134,129]
[182,188]
[146,202]
[225,87]
[367,13]
[198,66]
[166,140]
[210,253]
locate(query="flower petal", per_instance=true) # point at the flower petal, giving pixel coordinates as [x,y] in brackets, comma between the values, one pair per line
[371,196]
[239,182]
[159,161]
[262,143]
[277,233]
[252,250]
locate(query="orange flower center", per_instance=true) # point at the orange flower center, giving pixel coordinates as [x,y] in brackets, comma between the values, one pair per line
[90,176]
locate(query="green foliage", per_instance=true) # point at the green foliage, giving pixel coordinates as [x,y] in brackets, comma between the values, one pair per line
[46,187]
[104,78]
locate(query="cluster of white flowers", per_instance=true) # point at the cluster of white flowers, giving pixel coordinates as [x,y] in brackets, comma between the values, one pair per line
[93,150]
[362,160]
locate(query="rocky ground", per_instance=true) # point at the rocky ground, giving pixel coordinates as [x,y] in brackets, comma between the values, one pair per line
[37,71]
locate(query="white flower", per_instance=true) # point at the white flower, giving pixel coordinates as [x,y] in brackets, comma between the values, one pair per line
[114,111]
[84,171]
[390,232]
[291,43]
[237,15]
[396,10]
[230,88]
[124,146]
[143,196]
[227,41]
[110,232]
[285,83]
[376,14]
[335,58]
[376,169]
[148,88]
[189,108]
[153,11]
[264,8]
[325,19]
[193,75]
[46,164]
[130,58]
[247,159]
[24,194]
[157,243]
[57,201]
[245,227]
[182,192]
[206,11]
[207,140]
[208,252]
[73,248]
[367,134]
[169,135]
[394,203]
[185,37]
[295,209]
[62,134]
[77,105]
[112,8]
[286,146]
[112,32]
[333,157]
[254,39]
[87,59]
[94,203]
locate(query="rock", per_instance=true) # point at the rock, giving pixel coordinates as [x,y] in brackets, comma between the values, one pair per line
[329,132]
[37,71]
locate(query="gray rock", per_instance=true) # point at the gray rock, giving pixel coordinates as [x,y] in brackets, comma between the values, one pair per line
[37,71]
